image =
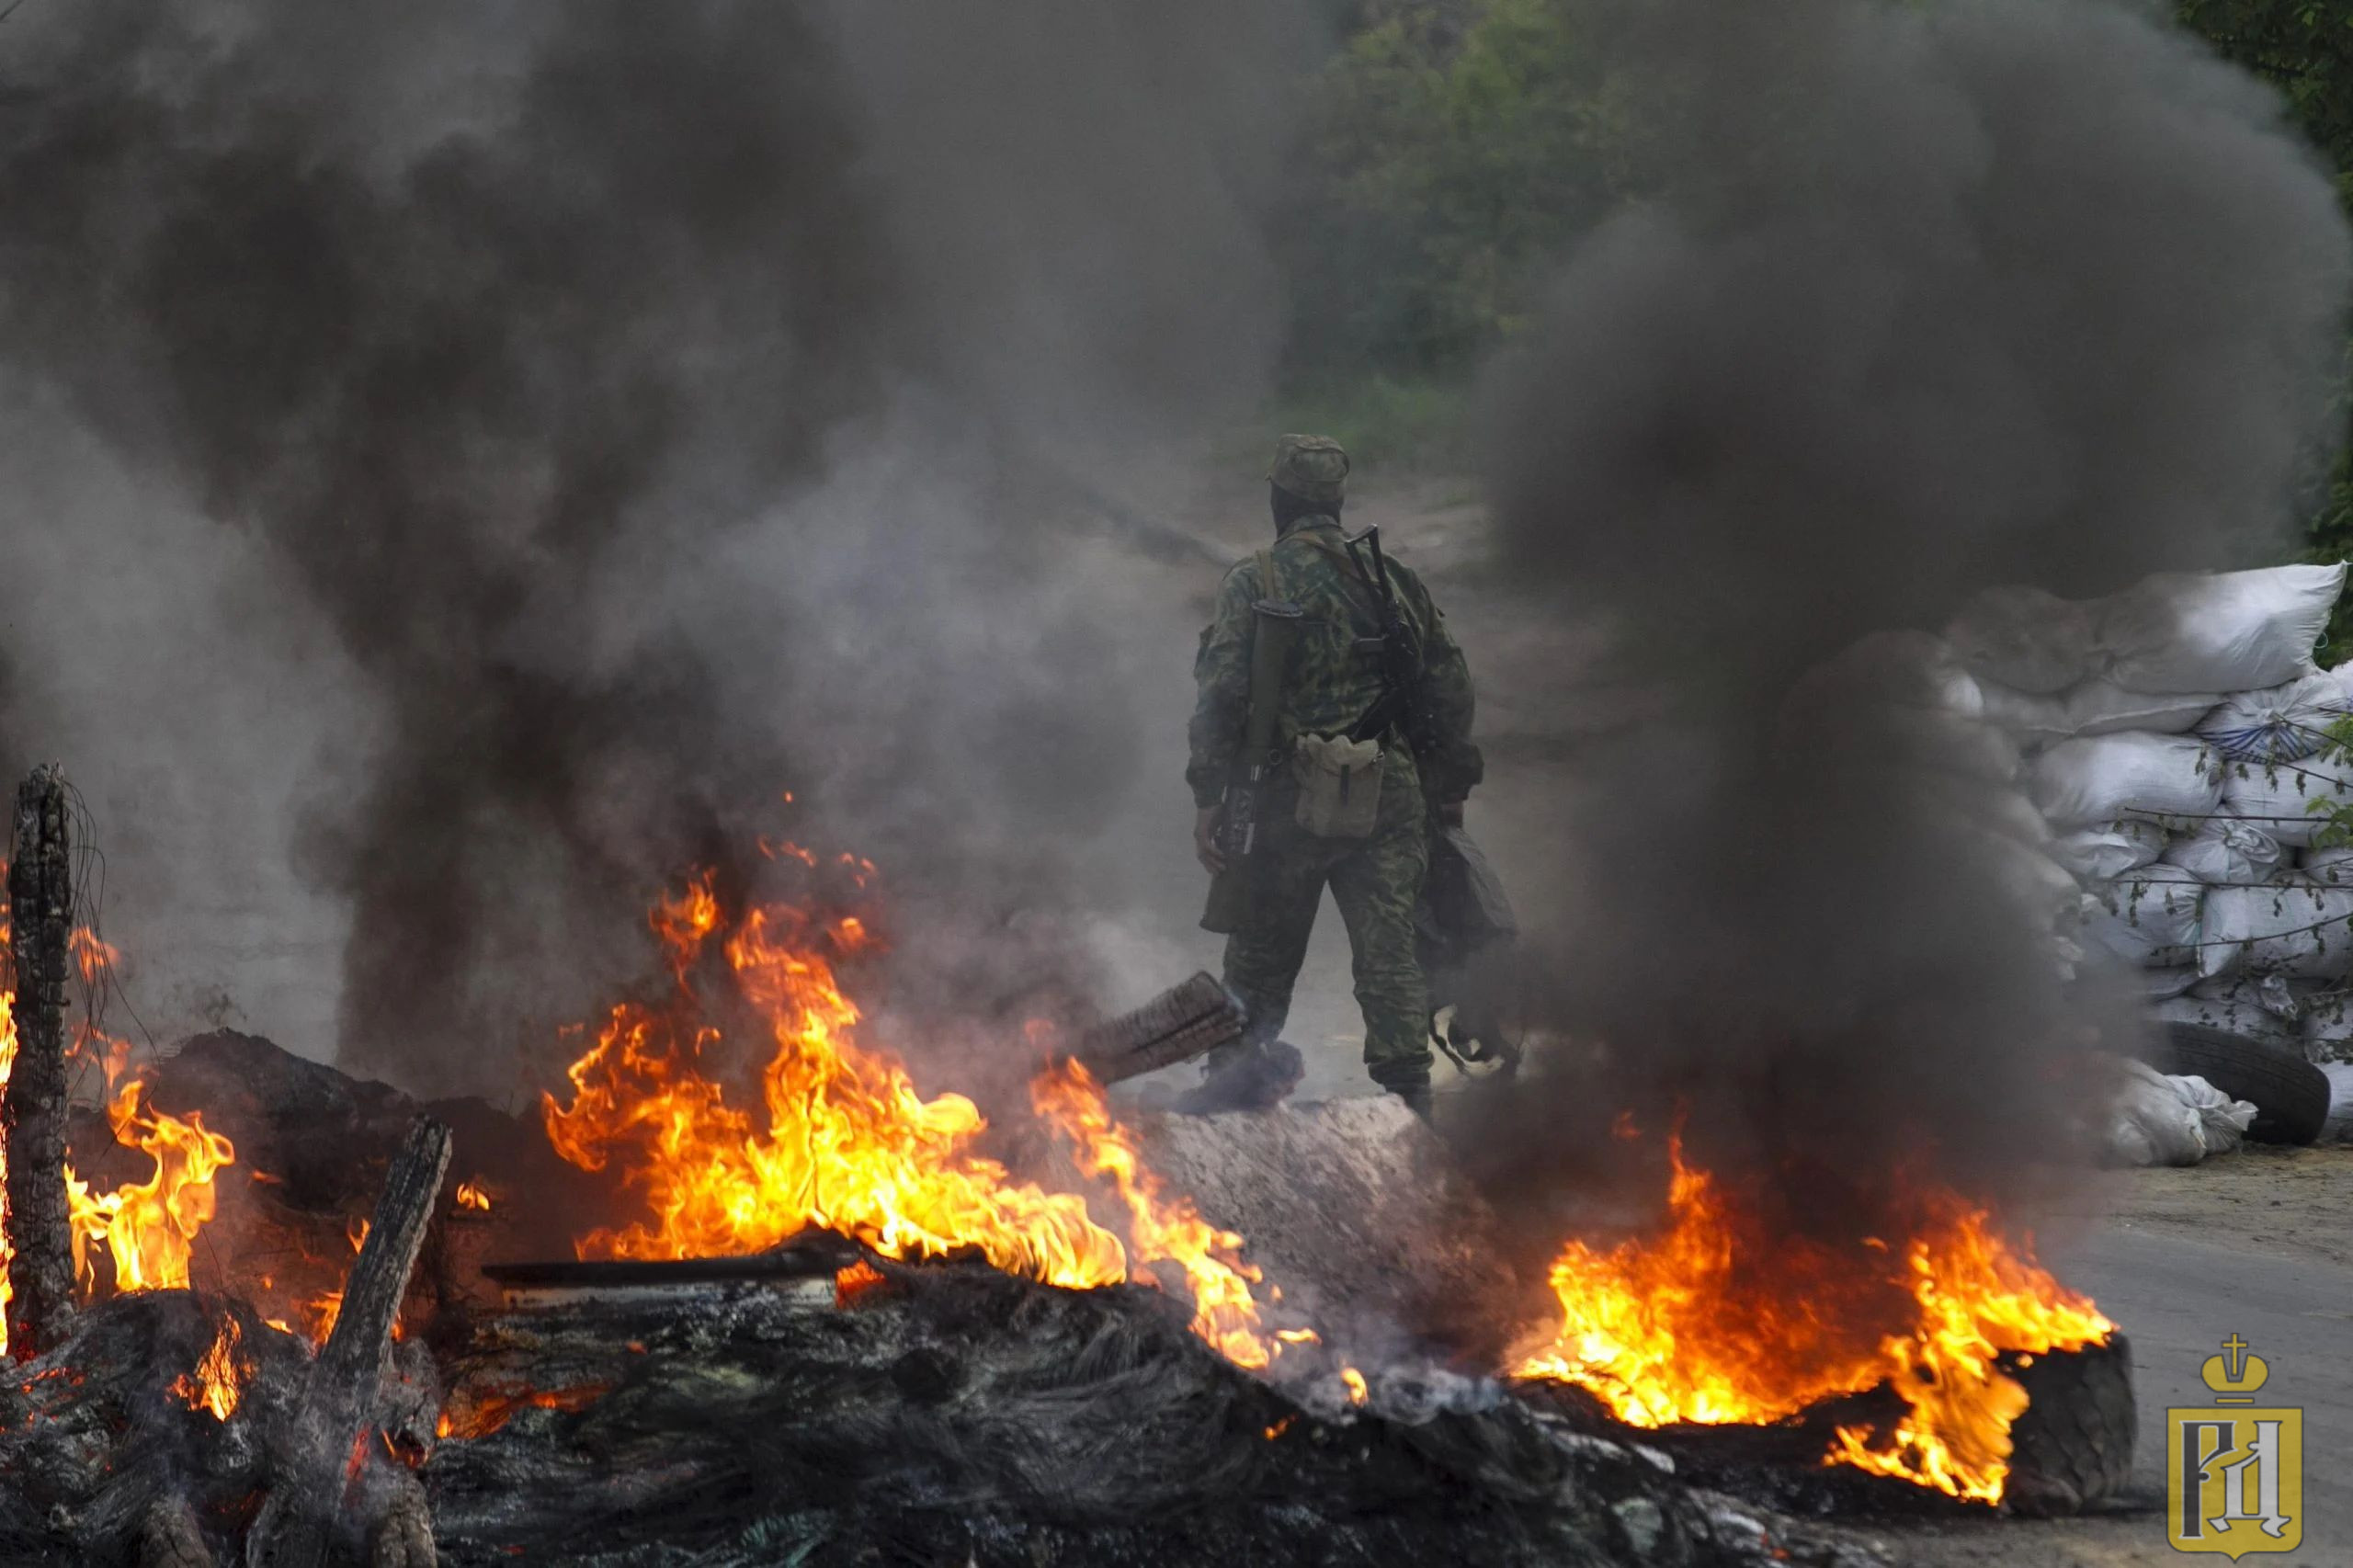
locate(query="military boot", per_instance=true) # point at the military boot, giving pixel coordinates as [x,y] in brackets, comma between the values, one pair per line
[1254,1079]
[1417,1099]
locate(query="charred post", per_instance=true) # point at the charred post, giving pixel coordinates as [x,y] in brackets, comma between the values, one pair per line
[323,1470]
[40,899]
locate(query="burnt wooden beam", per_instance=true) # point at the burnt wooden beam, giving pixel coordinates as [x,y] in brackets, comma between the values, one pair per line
[1181,1023]
[41,915]
[812,1254]
[169,1536]
[331,1445]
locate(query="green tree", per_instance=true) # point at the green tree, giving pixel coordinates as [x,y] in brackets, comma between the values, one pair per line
[1457,147]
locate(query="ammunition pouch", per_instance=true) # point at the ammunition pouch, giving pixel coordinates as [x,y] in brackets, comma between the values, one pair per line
[1339,786]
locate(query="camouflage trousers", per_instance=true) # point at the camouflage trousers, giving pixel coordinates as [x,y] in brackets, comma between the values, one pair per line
[1376,881]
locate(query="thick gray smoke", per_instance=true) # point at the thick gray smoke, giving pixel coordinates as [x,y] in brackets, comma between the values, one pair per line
[1934,297]
[639,412]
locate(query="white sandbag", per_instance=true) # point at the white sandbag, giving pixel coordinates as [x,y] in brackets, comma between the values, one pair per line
[2164,984]
[2228,631]
[2025,639]
[2096,707]
[2005,812]
[2282,724]
[2038,886]
[2328,1025]
[2334,867]
[2149,918]
[2265,1007]
[2293,926]
[2222,1121]
[1905,669]
[2151,1122]
[2285,799]
[2099,779]
[1924,740]
[2102,854]
[2338,1128]
[2223,853]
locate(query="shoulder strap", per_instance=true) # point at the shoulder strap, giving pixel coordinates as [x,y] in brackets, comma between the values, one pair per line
[1338,555]
[1267,574]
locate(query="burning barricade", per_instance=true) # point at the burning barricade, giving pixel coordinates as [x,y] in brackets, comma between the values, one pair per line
[809,1305]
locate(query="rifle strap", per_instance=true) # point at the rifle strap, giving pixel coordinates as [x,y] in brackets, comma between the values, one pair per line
[1267,590]
[1380,719]
[1349,565]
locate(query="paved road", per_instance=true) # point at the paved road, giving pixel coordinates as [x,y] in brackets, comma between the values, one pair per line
[2178,1298]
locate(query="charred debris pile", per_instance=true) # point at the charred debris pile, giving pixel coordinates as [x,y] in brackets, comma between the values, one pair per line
[825,1404]
[258,1311]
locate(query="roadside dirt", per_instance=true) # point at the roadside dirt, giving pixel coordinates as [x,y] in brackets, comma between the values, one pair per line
[2280,1202]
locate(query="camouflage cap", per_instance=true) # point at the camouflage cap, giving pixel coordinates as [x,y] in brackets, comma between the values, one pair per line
[1313,468]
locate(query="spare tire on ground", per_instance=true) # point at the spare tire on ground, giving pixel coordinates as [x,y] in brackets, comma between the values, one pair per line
[2289,1095]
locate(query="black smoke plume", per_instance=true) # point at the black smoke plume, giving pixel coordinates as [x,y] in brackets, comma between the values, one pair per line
[457,390]
[646,404]
[1934,297]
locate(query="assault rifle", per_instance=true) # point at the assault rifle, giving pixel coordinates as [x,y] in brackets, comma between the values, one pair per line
[1274,627]
[1405,698]
[1465,924]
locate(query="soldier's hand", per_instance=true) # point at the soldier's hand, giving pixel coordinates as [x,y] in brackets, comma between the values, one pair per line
[1206,847]
[1451,812]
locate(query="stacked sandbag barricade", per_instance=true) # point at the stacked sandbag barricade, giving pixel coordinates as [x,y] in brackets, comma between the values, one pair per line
[2181,743]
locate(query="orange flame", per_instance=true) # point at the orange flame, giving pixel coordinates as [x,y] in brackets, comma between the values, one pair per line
[839,1137]
[7,1063]
[478,1413]
[149,1227]
[218,1381]
[853,1282]
[1718,1319]
[472,1196]
[327,1305]
[847,1142]
[1067,1098]
[91,955]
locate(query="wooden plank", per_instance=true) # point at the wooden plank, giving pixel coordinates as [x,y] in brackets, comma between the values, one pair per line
[1183,1022]
[40,906]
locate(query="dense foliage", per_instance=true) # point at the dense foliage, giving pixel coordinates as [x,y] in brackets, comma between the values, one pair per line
[2305,49]
[1453,152]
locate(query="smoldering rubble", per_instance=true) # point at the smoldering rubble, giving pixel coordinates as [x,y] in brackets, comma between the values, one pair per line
[837,1405]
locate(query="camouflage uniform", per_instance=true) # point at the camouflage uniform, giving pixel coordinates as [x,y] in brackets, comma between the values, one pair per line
[1333,680]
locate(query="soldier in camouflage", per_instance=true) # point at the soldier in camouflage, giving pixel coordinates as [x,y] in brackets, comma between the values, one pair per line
[1334,681]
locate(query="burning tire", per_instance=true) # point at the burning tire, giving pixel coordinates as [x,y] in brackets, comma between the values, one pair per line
[2073,1445]
[2289,1095]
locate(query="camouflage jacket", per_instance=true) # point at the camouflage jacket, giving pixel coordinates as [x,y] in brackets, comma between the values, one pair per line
[1331,682]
